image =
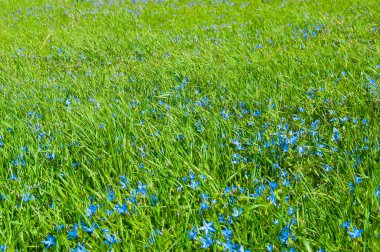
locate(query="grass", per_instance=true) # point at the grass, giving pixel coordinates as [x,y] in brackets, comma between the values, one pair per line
[127,125]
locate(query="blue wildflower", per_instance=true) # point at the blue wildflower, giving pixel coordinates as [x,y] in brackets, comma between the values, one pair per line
[50,156]
[227,233]
[192,234]
[123,182]
[377,191]
[204,206]
[336,135]
[270,247]
[79,248]
[110,195]
[358,180]
[122,209]
[110,239]
[208,227]
[73,233]
[272,198]
[206,242]
[355,233]
[91,210]
[352,187]
[237,212]
[28,197]
[90,229]
[59,227]
[49,242]
[285,234]
[346,224]
[327,167]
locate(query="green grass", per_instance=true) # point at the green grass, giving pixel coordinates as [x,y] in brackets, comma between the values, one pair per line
[160,91]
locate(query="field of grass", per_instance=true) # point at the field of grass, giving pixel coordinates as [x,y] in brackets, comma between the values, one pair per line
[157,125]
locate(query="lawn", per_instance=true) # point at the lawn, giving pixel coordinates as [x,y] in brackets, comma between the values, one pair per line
[157,125]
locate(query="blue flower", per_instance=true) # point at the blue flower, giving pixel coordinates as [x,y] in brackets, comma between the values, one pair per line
[355,233]
[270,247]
[79,248]
[110,195]
[49,242]
[237,212]
[59,227]
[327,167]
[192,234]
[28,197]
[285,234]
[122,209]
[91,210]
[50,156]
[346,224]
[336,135]
[272,198]
[206,242]
[227,233]
[204,206]
[123,182]
[110,239]
[90,229]
[352,187]
[273,185]
[208,227]
[358,180]
[377,191]
[73,233]
[141,189]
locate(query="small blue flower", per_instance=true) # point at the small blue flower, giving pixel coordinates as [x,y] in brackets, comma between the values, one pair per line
[204,206]
[272,198]
[79,248]
[346,224]
[59,227]
[73,233]
[206,242]
[110,195]
[358,180]
[123,182]
[110,239]
[352,187]
[91,210]
[50,156]
[336,135]
[327,167]
[285,234]
[49,242]
[90,229]
[270,247]
[355,233]
[122,209]
[377,191]
[192,234]
[227,233]
[208,227]
[237,212]
[28,197]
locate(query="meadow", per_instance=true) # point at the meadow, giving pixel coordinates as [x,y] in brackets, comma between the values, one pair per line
[217,125]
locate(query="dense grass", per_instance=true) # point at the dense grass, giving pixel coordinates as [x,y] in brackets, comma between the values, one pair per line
[145,119]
